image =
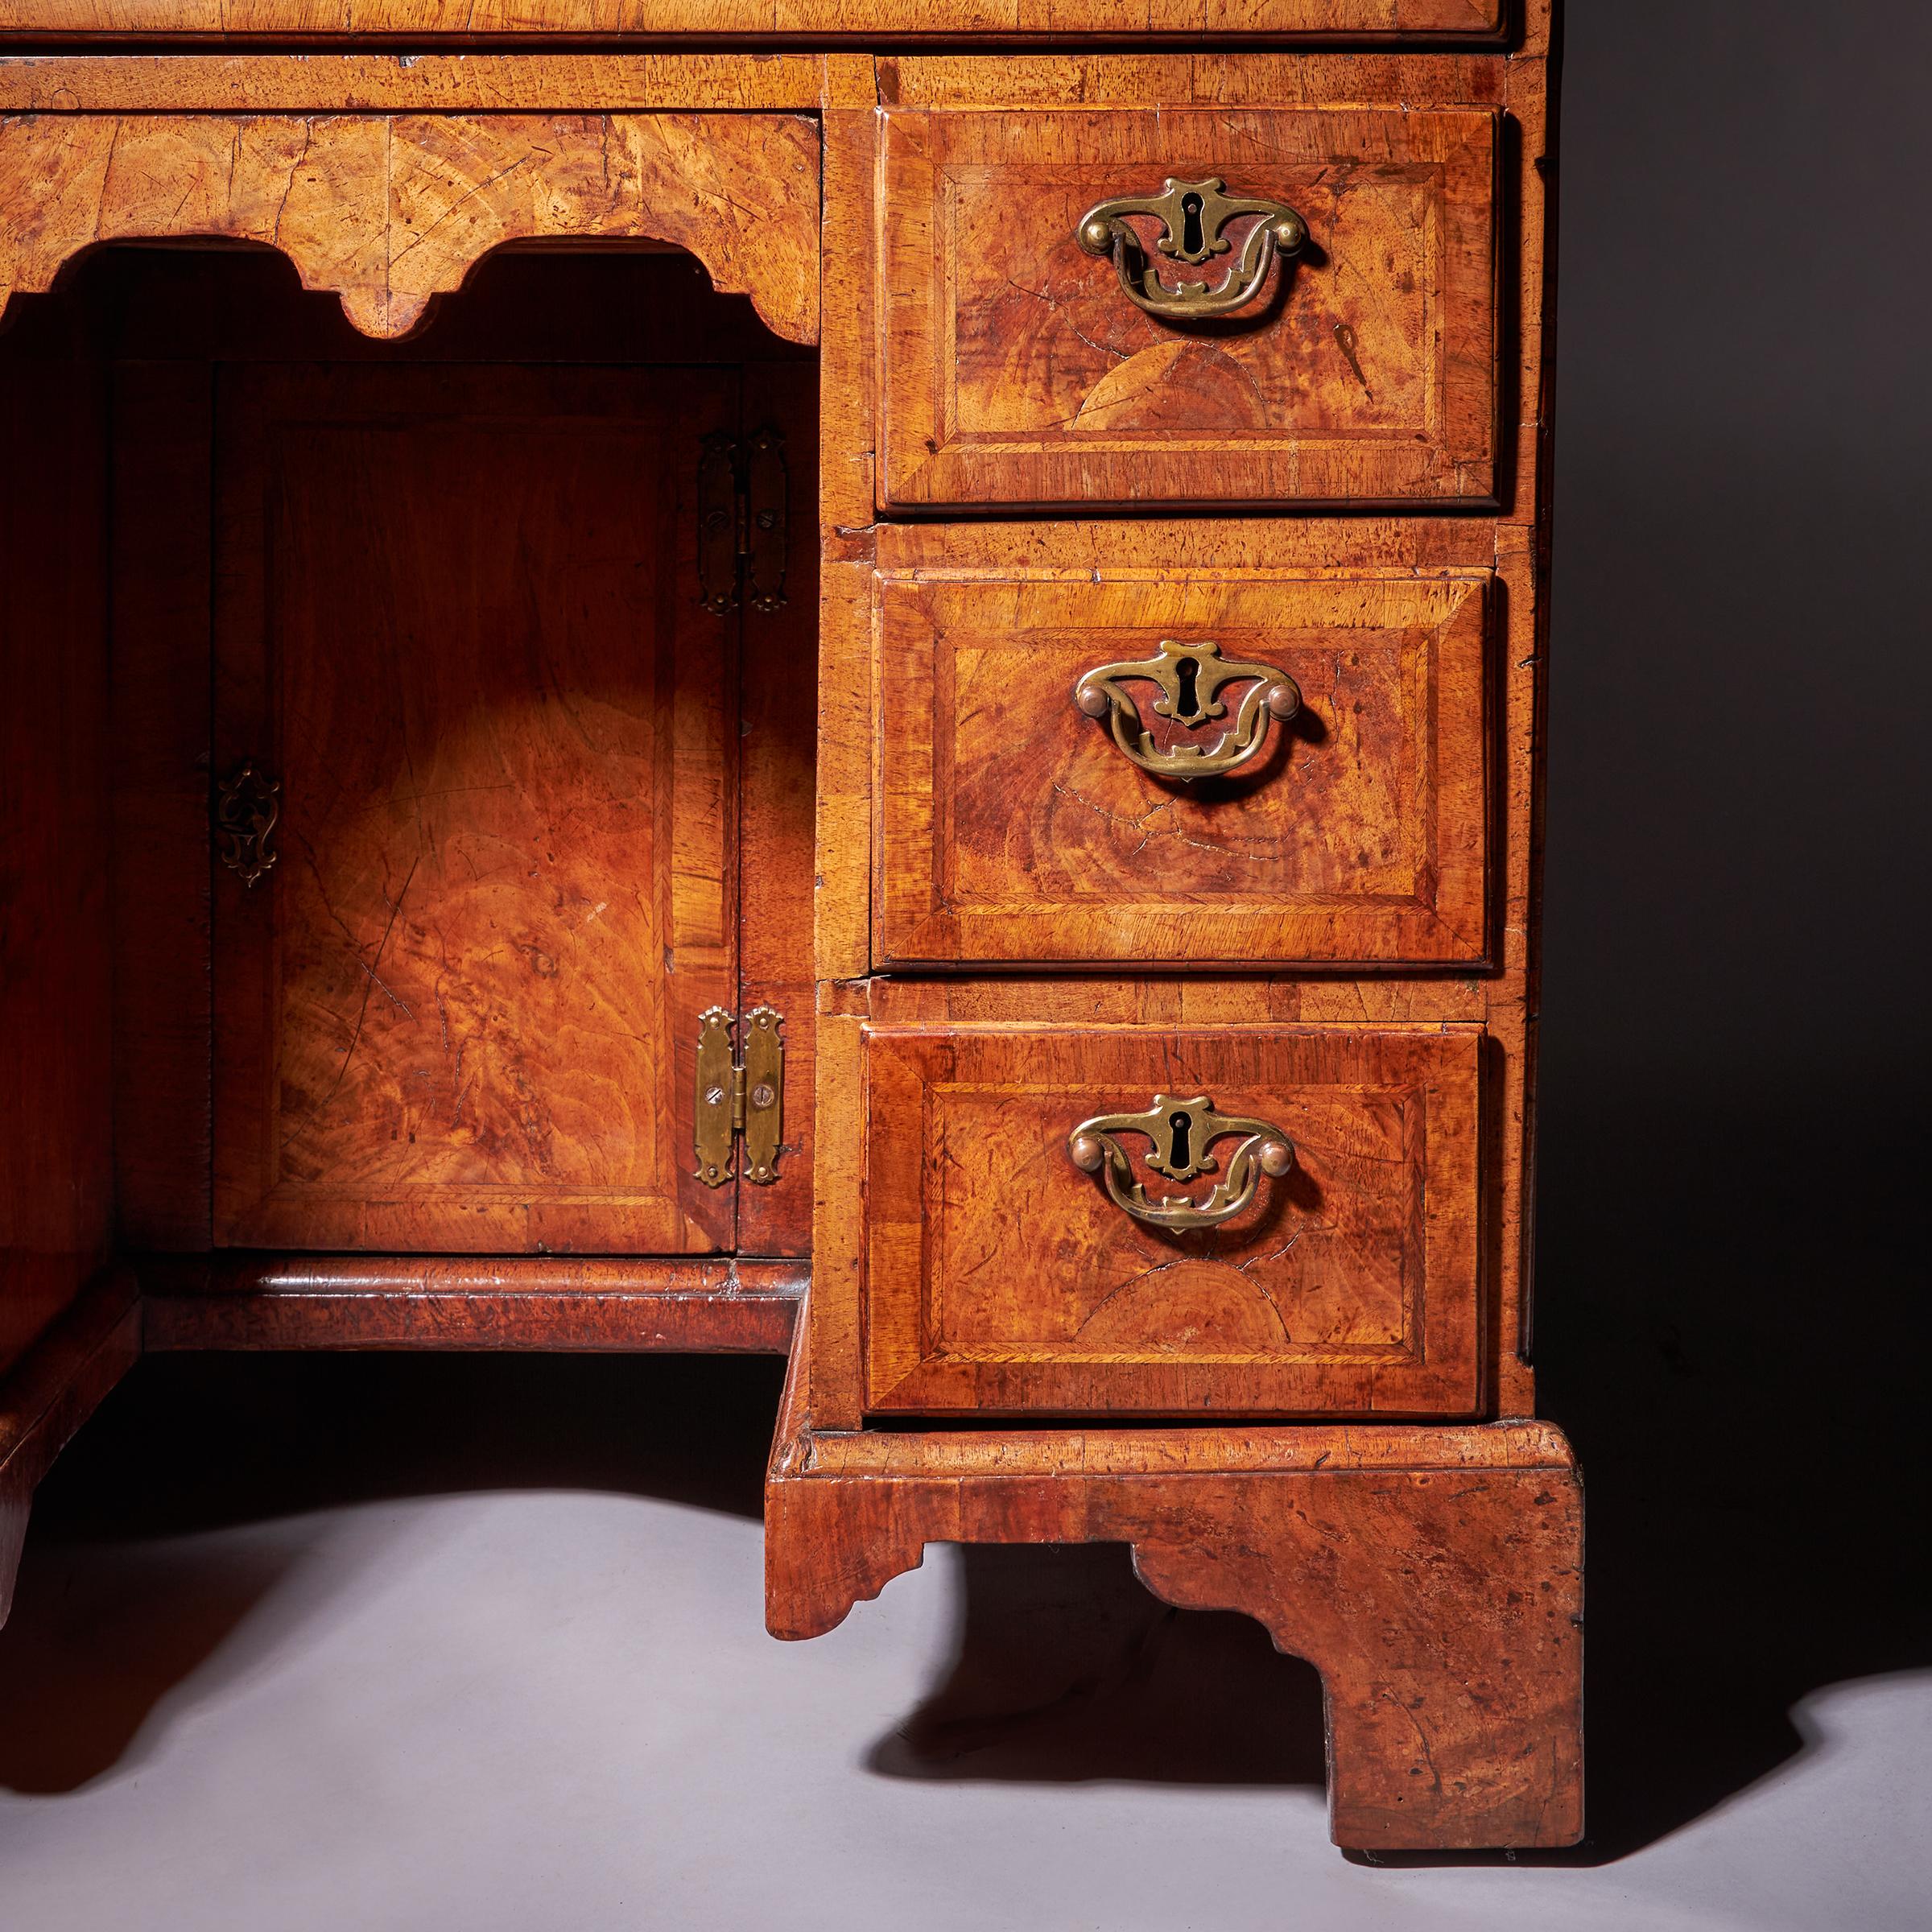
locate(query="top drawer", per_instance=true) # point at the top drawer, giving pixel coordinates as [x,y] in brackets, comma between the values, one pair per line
[1019,369]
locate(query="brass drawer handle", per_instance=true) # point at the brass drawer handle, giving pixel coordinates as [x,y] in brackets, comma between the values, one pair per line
[1192,215]
[1190,677]
[1182,1131]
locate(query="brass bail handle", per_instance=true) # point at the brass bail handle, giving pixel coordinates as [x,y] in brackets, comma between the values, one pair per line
[1194,216]
[1190,678]
[1182,1131]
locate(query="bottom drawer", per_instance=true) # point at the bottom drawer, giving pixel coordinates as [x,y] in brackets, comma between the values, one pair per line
[1127,1220]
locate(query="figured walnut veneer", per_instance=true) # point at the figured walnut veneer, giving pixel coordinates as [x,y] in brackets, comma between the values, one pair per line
[1016,370]
[455,616]
[389,211]
[1432,1576]
[1011,827]
[1000,1278]
[1370,19]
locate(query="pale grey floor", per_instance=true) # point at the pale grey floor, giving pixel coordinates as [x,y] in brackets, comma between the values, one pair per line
[527,1708]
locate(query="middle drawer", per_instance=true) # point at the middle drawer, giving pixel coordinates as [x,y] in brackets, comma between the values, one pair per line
[1252,767]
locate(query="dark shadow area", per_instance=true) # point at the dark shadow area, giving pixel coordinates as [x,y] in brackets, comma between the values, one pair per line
[196,1442]
[119,1602]
[1067,1669]
[1733,1329]
[1731,1316]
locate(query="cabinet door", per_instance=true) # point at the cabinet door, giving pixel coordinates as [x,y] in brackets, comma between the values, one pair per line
[1005,1274]
[1175,819]
[1021,368]
[457,620]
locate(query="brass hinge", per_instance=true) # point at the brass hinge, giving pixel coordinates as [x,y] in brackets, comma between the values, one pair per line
[743,494]
[746,1098]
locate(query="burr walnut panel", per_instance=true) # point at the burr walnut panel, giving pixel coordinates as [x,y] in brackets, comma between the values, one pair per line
[1017,370]
[1014,827]
[457,617]
[834,19]
[1002,1279]
[392,210]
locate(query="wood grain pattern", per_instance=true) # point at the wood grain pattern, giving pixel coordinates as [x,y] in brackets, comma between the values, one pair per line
[160,723]
[56,1180]
[1153,77]
[239,1301]
[1000,1279]
[1432,1576]
[263,82]
[459,619]
[836,1310]
[1016,370]
[848,439]
[1077,549]
[1012,828]
[232,20]
[1167,1000]
[389,211]
[777,726]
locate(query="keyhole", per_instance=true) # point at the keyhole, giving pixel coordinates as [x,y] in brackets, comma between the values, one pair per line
[1186,676]
[1190,225]
[1180,1129]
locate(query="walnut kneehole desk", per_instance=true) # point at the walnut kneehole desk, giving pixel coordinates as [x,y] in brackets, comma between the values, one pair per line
[819,652]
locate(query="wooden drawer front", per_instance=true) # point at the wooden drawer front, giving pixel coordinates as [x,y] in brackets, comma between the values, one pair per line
[1014,827]
[1017,370]
[1001,1278]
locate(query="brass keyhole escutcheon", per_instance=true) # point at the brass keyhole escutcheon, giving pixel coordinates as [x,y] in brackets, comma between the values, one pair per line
[1189,679]
[1191,226]
[1194,216]
[1181,1132]
[247,804]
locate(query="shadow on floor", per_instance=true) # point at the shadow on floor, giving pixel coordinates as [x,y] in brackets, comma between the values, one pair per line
[1065,1669]
[1733,1330]
[120,1599]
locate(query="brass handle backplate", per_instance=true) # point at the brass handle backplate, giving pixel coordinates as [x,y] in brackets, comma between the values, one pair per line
[1194,216]
[1189,677]
[1182,1132]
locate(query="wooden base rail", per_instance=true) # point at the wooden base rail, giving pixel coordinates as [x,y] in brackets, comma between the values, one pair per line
[720,1305]
[1432,1575]
[698,1306]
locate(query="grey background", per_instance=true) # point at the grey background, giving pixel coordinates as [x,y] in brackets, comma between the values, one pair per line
[1732,1311]
[260,1593]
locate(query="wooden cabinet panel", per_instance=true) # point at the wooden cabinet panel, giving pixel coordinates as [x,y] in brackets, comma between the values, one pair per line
[832,19]
[457,618]
[1014,827]
[1017,370]
[777,801]
[1001,1278]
